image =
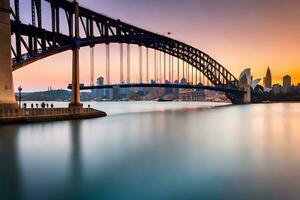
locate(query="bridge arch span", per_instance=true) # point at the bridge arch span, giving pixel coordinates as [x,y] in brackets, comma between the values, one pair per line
[210,68]
[96,29]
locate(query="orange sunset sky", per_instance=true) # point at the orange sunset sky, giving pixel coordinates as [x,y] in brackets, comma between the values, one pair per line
[237,33]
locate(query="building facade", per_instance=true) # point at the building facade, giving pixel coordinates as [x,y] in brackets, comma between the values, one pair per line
[287,84]
[276,89]
[268,79]
[99,93]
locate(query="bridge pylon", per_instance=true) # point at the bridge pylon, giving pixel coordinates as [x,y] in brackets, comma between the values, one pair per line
[75,62]
[7,95]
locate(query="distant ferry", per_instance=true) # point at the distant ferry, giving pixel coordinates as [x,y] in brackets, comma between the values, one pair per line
[81,85]
[164,100]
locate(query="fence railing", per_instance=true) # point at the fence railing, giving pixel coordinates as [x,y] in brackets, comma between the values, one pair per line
[30,112]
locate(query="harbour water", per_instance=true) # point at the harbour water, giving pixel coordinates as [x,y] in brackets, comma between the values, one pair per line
[150,150]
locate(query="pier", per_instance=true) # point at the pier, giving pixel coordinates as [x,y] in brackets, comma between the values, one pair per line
[30,115]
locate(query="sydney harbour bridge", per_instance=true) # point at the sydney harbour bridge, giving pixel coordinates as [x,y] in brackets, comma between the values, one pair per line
[23,44]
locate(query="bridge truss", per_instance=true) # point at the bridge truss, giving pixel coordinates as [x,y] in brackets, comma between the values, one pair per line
[87,28]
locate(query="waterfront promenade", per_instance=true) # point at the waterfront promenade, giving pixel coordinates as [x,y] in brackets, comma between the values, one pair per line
[28,115]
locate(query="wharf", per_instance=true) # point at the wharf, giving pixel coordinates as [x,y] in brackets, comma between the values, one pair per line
[31,115]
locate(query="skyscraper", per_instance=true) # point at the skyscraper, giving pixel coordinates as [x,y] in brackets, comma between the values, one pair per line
[268,79]
[287,82]
[99,93]
[100,81]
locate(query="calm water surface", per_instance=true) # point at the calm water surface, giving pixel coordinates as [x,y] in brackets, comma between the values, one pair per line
[156,151]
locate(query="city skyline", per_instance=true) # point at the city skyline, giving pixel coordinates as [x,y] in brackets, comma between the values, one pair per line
[139,99]
[256,36]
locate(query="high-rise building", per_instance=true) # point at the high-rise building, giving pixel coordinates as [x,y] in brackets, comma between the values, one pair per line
[116,93]
[287,83]
[99,93]
[276,89]
[100,81]
[268,79]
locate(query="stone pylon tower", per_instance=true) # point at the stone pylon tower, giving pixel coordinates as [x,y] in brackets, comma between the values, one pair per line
[7,95]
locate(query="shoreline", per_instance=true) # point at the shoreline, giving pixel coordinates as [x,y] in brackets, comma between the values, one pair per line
[38,115]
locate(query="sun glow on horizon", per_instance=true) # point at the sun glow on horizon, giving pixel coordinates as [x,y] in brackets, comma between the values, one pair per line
[237,34]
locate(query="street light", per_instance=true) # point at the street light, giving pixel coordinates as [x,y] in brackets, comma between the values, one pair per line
[20,90]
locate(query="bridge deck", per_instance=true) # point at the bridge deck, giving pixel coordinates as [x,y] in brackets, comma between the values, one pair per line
[161,85]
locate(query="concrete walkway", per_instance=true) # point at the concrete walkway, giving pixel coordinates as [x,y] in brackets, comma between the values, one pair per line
[30,115]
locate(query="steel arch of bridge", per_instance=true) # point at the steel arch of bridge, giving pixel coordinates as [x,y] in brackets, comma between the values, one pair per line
[97,29]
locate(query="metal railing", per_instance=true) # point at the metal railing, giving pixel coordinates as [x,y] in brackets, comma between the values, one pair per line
[43,112]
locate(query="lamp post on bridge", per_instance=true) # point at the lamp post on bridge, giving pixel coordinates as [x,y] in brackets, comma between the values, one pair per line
[20,95]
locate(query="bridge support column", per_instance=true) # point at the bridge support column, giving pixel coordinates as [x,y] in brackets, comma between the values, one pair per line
[128,63]
[107,64]
[178,70]
[183,70]
[165,67]
[121,64]
[75,62]
[170,75]
[75,80]
[159,70]
[247,95]
[7,95]
[172,68]
[192,75]
[92,67]
[140,64]
[147,65]
[155,66]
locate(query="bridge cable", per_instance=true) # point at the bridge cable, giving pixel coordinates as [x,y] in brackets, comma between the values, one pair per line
[107,64]
[178,73]
[192,75]
[170,68]
[147,64]
[92,65]
[159,72]
[128,63]
[33,12]
[140,64]
[200,76]
[183,69]
[165,66]
[196,76]
[207,81]
[155,66]
[187,72]
[121,64]
[172,71]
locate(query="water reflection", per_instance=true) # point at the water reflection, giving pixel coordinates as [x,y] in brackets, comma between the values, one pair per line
[75,161]
[238,152]
[10,182]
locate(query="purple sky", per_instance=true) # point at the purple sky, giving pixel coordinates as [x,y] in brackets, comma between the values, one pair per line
[237,33]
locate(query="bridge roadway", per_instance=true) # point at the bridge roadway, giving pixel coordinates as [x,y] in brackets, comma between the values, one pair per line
[161,85]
